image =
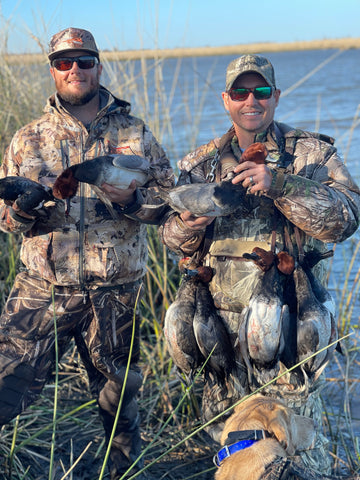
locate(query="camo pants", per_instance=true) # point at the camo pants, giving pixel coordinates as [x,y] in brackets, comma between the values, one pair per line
[101,323]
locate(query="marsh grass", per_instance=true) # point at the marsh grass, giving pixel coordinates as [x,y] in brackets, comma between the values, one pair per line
[60,436]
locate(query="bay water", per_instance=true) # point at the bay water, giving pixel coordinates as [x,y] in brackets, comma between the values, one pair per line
[320,92]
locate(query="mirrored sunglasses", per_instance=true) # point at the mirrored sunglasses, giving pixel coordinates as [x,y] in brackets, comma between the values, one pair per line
[240,94]
[84,62]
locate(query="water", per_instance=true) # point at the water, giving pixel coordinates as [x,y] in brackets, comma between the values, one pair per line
[327,101]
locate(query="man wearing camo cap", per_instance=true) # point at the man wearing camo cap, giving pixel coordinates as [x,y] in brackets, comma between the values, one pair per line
[82,262]
[302,188]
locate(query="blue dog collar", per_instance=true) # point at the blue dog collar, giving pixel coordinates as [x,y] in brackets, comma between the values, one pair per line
[228,450]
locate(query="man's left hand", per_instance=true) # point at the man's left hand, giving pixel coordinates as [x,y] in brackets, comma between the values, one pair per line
[256,177]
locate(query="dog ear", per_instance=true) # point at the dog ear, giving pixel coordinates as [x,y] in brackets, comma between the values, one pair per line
[302,432]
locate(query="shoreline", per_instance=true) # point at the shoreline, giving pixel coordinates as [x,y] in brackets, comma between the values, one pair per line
[264,47]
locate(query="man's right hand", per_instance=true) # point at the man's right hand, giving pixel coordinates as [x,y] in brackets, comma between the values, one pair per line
[196,223]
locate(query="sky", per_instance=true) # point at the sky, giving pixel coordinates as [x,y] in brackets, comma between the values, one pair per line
[27,25]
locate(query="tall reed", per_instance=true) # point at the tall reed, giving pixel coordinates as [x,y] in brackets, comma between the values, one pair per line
[167,406]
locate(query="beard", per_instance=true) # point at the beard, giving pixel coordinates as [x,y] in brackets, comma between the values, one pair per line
[78,100]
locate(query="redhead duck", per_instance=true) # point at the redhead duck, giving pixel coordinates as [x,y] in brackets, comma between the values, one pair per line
[264,321]
[206,199]
[116,170]
[215,199]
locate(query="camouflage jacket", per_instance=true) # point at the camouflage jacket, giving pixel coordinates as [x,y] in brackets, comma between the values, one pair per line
[80,244]
[311,189]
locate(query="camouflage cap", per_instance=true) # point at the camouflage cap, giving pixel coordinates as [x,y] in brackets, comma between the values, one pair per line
[247,64]
[72,39]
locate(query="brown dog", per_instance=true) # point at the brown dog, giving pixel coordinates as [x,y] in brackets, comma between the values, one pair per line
[286,433]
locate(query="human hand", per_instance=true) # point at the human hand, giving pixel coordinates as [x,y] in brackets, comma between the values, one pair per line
[257,177]
[196,223]
[122,196]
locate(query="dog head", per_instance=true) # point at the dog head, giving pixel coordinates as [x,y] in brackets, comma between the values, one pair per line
[287,433]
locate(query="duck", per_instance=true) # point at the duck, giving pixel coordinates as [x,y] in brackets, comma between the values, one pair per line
[215,199]
[207,199]
[178,324]
[116,170]
[30,196]
[310,259]
[264,321]
[314,323]
[179,332]
[212,338]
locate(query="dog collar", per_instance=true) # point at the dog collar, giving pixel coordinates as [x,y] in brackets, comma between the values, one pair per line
[248,438]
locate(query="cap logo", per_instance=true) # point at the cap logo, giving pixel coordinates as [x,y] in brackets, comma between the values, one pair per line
[76,41]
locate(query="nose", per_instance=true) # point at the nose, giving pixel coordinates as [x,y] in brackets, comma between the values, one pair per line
[251,100]
[75,67]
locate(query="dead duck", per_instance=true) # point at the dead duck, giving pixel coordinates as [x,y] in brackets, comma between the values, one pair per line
[30,196]
[178,325]
[215,199]
[264,320]
[116,170]
[314,324]
[310,259]
[178,329]
[212,337]
[207,199]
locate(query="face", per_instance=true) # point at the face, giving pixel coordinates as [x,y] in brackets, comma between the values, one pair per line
[77,86]
[251,116]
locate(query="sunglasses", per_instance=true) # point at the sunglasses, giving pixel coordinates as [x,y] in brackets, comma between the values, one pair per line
[260,93]
[63,64]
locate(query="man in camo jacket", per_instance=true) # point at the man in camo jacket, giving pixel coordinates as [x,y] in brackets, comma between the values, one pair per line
[303,187]
[80,261]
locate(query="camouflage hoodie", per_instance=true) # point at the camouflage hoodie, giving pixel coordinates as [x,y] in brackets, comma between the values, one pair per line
[80,244]
[311,189]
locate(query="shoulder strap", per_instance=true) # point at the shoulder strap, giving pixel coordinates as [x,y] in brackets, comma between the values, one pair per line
[224,160]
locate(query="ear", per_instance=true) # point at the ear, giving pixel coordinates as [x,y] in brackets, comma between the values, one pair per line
[52,73]
[225,97]
[302,432]
[277,94]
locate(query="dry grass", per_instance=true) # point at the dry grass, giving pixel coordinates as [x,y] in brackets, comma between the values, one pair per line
[339,43]
[169,412]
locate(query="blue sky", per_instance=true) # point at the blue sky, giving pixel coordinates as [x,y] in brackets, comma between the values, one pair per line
[135,24]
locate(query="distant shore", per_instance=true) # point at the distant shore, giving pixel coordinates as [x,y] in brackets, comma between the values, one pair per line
[340,43]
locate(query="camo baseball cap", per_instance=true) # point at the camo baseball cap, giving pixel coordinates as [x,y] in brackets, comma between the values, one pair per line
[248,64]
[72,39]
